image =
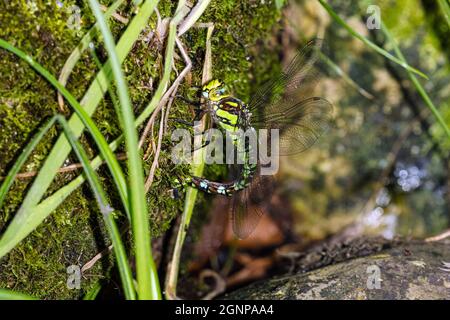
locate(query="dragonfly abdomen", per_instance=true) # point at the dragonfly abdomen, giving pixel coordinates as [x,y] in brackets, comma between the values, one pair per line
[225,188]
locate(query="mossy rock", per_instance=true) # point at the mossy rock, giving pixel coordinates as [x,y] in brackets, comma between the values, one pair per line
[409,270]
[74,233]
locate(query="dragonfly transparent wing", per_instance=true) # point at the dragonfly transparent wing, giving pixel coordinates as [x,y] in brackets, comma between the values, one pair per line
[301,70]
[300,124]
[246,205]
[283,103]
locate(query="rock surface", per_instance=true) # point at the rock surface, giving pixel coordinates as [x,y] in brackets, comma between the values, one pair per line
[414,270]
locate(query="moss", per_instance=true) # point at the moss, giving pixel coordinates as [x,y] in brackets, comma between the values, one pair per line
[74,233]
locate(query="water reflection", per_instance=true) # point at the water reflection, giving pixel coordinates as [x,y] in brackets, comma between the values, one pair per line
[409,177]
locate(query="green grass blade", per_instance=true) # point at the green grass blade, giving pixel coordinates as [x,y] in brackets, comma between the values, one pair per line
[428,102]
[83,45]
[53,201]
[367,42]
[14,295]
[106,211]
[146,273]
[93,293]
[111,92]
[112,162]
[90,101]
[99,194]
[445,7]
[8,239]
[9,180]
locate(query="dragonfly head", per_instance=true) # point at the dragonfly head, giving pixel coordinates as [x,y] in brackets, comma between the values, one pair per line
[214,90]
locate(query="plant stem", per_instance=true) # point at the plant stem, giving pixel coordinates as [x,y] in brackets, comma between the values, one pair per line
[146,273]
[191,194]
[428,102]
[367,42]
[61,148]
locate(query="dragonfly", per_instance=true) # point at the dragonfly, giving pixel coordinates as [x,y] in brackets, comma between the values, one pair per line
[277,104]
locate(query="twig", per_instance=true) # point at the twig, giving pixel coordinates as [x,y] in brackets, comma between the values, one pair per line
[97,257]
[173,267]
[193,16]
[115,15]
[219,285]
[149,181]
[69,168]
[151,146]
[439,237]
[168,93]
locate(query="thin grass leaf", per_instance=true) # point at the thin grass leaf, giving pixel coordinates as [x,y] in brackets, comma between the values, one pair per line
[82,46]
[428,102]
[146,273]
[111,92]
[8,241]
[105,209]
[9,180]
[90,101]
[445,7]
[14,295]
[345,76]
[53,201]
[367,42]
[93,293]
[97,189]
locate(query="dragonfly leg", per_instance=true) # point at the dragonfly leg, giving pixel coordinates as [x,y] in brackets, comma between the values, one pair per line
[199,113]
[188,123]
[193,103]
[204,144]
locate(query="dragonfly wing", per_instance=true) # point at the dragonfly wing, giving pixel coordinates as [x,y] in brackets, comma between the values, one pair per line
[246,205]
[300,124]
[301,70]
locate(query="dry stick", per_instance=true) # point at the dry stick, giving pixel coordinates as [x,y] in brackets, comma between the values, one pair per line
[69,168]
[97,257]
[155,163]
[149,124]
[151,146]
[164,99]
[149,180]
[169,105]
[439,237]
[220,284]
[173,90]
[168,93]
[193,16]
[182,75]
[173,266]
[116,16]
